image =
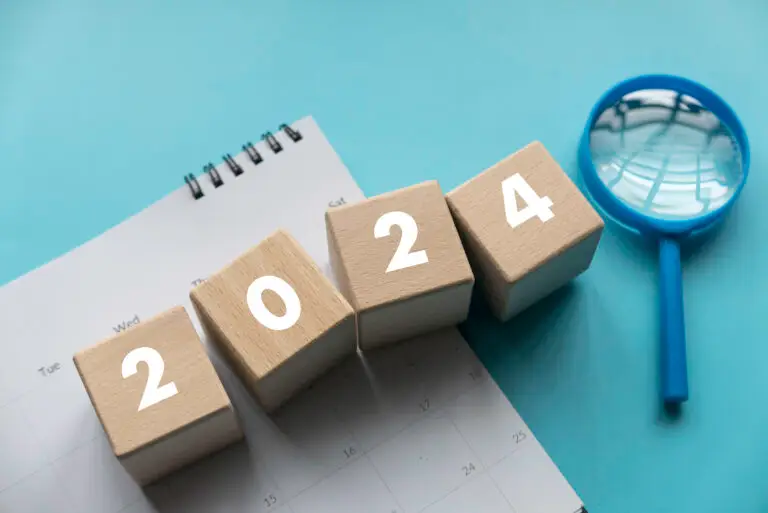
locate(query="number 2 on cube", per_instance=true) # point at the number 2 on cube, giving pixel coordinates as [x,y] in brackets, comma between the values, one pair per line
[153,392]
[515,186]
[403,258]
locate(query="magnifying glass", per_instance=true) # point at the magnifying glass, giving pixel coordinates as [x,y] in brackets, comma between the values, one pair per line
[665,157]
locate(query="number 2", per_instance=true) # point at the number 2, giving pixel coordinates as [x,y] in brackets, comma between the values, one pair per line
[403,258]
[153,393]
[535,206]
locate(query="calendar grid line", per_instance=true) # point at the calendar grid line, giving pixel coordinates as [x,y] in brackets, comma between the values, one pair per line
[506,499]
[365,453]
[389,489]
[486,469]
[452,490]
[22,479]
[424,416]
[129,506]
[28,427]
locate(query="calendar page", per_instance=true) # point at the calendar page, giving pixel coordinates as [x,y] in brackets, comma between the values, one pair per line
[415,427]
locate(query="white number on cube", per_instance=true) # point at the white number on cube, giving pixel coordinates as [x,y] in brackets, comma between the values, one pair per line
[403,258]
[153,393]
[260,311]
[535,206]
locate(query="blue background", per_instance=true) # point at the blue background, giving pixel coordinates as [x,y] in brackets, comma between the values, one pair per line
[105,105]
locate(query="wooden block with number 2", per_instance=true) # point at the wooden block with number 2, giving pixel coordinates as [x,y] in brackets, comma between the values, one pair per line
[158,396]
[527,229]
[276,318]
[400,262]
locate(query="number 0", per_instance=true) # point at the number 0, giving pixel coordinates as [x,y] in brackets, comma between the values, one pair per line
[259,309]
[402,258]
[535,206]
[153,393]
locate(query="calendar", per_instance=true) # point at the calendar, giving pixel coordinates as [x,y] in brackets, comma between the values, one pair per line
[417,427]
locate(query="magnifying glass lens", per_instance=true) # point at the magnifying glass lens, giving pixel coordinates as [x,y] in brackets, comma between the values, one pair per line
[665,155]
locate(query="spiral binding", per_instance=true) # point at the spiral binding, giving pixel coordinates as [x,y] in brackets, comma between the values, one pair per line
[233,166]
[210,169]
[194,186]
[275,146]
[236,169]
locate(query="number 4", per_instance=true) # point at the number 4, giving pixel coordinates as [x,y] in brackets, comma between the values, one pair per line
[535,206]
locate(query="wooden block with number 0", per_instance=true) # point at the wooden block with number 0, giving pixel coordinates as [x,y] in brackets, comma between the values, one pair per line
[527,229]
[276,318]
[400,262]
[158,396]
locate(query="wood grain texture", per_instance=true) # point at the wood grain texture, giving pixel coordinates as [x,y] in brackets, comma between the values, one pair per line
[402,303]
[518,266]
[275,364]
[148,441]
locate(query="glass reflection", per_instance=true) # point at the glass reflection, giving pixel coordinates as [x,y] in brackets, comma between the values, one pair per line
[666,155]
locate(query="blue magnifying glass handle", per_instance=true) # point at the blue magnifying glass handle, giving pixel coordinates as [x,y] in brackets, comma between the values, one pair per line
[674,372]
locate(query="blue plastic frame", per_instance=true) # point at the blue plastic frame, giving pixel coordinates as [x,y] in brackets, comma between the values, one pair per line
[618,210]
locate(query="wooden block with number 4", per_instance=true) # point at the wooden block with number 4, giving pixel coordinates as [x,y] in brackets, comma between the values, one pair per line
[399,261]
[158,396]
[277,319]
[527,228]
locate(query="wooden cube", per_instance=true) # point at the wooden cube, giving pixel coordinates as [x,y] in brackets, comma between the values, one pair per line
[399,261]
[158,396]
[527,228]
[277,319]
